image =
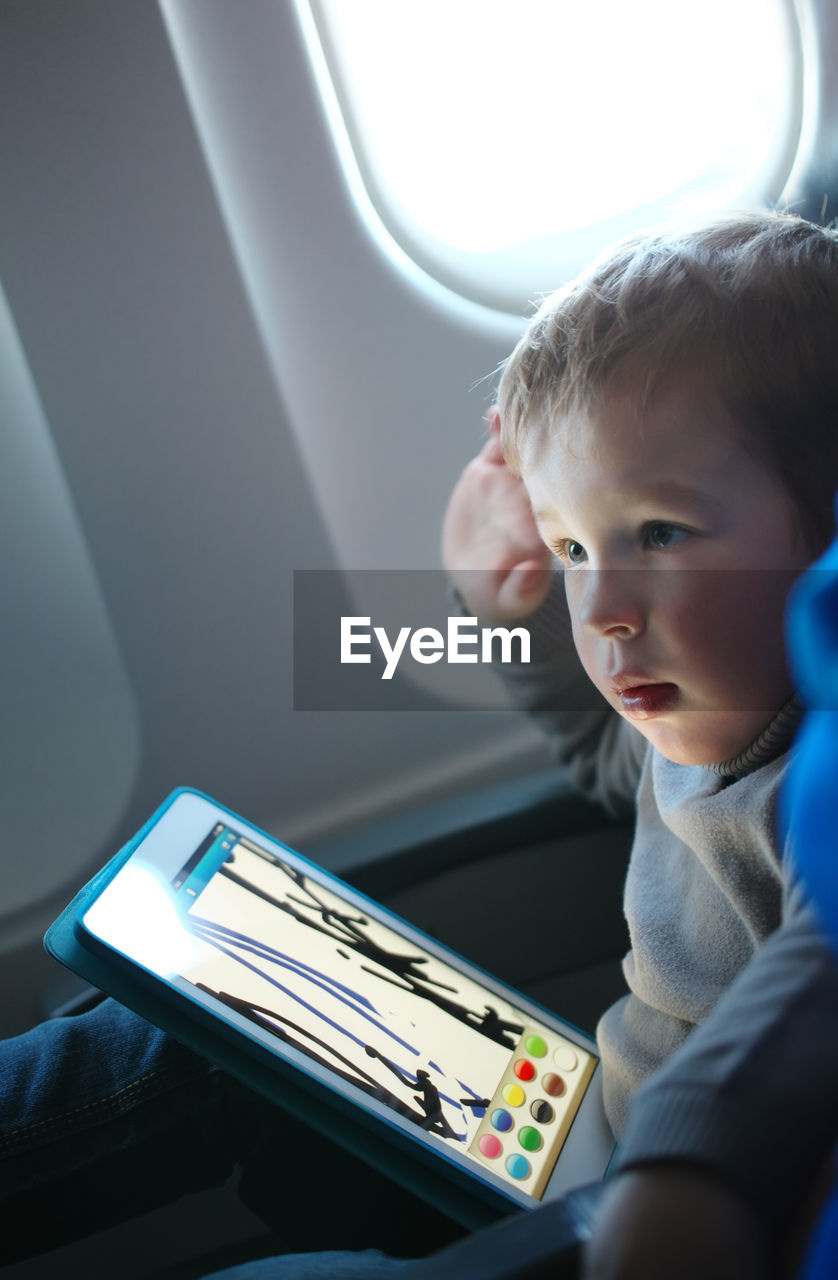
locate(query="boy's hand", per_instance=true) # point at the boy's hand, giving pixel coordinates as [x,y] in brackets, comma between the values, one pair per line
[671,1221]
[489,527]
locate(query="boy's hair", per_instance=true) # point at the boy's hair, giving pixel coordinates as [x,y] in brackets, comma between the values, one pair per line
[748,303]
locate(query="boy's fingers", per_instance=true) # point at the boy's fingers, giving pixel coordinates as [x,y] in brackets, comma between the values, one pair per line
[524,588]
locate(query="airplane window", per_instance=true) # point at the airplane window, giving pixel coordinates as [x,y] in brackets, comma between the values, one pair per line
[503,144]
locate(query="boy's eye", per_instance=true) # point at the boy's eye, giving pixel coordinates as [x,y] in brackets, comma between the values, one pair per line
[661,535]
[570,552]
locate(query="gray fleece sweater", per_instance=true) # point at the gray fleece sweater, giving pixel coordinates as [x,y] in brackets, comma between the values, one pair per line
[725,1050]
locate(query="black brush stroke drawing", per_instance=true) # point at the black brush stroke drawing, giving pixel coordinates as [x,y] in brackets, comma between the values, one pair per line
[430,1118]
[348,930]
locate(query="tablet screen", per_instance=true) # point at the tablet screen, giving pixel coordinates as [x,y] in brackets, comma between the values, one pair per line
[305,966]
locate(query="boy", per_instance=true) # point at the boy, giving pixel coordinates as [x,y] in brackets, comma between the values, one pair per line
[676,410]
[671,425]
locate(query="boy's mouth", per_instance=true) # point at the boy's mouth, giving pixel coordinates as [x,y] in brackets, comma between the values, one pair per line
[642,698]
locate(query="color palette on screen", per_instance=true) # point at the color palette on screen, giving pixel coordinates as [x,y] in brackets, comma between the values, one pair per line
[532,1109]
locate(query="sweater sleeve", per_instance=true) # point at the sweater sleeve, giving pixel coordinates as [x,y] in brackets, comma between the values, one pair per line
[600,751]
[753,1093]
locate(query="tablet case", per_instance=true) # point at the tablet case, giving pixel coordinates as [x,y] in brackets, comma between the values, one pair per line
[408,1163]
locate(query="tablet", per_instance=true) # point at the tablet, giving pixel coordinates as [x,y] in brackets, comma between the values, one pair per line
[230,931]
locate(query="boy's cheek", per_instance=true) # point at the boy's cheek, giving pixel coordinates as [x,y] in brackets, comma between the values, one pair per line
[736,622]
[596,668]
[716,634]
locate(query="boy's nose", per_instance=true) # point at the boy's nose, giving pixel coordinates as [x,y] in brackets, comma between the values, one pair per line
[609,602]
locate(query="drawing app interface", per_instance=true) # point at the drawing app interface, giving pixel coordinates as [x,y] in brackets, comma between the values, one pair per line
[308,968]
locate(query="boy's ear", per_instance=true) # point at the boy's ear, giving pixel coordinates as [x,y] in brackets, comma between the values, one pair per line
[493,421]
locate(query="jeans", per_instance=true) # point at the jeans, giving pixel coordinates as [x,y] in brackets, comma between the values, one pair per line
[104,1117]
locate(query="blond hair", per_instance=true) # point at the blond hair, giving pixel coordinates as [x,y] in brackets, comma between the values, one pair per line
[749,302]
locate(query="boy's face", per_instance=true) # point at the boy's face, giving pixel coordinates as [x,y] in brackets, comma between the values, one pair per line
[694,655]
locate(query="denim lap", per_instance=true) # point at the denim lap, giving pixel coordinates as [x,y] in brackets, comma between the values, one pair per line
[369,1264]
[103,1117]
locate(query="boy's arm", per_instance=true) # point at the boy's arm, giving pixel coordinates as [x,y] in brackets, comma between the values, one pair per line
[675,1220]
[502,572]
[670,1220]
[748,1106]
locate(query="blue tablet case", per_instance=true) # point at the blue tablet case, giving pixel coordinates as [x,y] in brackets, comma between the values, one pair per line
[420,1170]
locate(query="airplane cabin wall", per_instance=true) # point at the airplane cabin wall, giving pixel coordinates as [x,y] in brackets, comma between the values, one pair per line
[221,401]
